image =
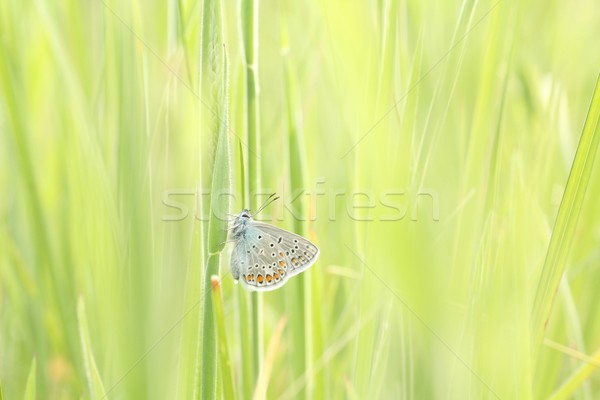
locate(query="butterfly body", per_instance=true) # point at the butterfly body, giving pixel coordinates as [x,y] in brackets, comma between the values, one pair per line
[265,256]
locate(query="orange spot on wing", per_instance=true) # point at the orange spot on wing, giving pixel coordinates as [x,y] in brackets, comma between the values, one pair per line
[260,279]
[269,278]
[281,263]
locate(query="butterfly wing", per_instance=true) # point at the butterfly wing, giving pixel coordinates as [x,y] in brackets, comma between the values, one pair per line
[255,263]
[239,260]
[267,256]
[297,252]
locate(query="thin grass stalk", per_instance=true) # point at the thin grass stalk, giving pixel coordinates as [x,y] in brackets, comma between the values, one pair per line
[574,328]
[181,33]
[225,367]
[30,386]
[566,222]
[208,379]
[314,332]
[303,302]
[247,379]
[16,123]
[381,353]
[249,24]
[264,377]
[257,334]
[296,171]
[493,173]
[577,378]
[385,79]
[363,351]
[95,385]
[206,37]
[388,16]
[133,208]
[221,186]
[250,38]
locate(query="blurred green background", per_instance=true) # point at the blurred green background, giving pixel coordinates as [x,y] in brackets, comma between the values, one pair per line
[433,142]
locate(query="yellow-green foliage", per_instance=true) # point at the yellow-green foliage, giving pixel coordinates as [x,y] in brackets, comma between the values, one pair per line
[444,153]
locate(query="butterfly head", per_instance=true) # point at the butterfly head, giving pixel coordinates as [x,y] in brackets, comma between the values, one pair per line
[240,223]
[245,214]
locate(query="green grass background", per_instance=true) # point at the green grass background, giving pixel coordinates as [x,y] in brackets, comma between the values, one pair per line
[106,107]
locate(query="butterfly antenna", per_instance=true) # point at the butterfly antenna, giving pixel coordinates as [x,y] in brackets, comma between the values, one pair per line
[269,200]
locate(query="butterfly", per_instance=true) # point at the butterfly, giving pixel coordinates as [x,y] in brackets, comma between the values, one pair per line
[264,256]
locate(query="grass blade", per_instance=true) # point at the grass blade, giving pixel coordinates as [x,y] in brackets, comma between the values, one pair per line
[577,378]
[566,222]
[249,25]
[265,373]
[208,382]
[221,186]
[247,377]
[207,34]
[221,180]
[300,319]
[30,387]
[225,366]
[95,385]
